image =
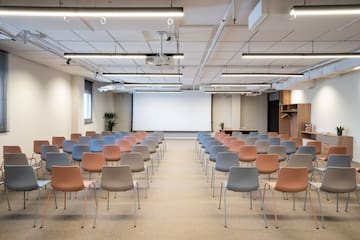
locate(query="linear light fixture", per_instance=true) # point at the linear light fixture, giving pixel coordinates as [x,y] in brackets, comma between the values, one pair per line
[357,68]
[160,85]
[299,55]
[27,11]
[122,55]
[262,75]
[151,75]
[318,10]
[240,85]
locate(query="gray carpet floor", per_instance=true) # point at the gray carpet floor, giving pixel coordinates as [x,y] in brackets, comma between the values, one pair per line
[179,206]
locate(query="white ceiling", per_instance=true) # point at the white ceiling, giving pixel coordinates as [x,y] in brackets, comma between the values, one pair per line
[49,38]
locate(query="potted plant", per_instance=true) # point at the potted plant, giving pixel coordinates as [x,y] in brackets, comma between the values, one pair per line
[339,130]
[221,125]
[110,120]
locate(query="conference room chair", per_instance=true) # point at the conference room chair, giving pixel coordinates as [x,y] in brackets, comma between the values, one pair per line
[267,164]
[145,153]
[202,141]
[106,133]
[241,179]
[333,150]
[75,136]
[290,147]
[247,154]
[297,140]
[336,180]
[274,141]
[307,150]
[17,149]
[84,140]
[37,149]
[93,162]
[124,145]
[119,179]
[262,146]
[283,136]
[317,145]
[78,150]
[96,145]
[262,136]
[67,146]
[109,140]
[162,138]
[235,145]
[89,133]
[279,150]
[201,134]
[22,178]
[18,159]
[117,136]
[112,153]
[301,160]
[290,180]
[136,163]
[335,160]
[224,161]
[69,179]
[152,145]
[45,149]
[215,149]
[207,146]
[96,136]
[272,134]
[58,141]
[227,140]
[253,134]
[250,140]
[56,159]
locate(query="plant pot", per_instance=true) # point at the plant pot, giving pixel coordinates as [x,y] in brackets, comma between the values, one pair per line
[339,133]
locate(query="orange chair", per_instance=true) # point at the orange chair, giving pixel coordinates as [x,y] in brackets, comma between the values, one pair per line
[112,153]
[131,139]
[37,148]
[227,140]
[69,179]
[58,141]
[93,162]
[316,144]
[247,153]
[75,136]
[272,134]
[89,133]
[333,150]
[235,145]
[267,164]
[290,180]
[124,145]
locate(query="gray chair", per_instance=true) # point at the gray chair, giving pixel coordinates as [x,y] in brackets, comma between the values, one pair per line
[224,161]
[22,178]
[98,136]
[78,150]
[274,141]
[263,137]
[46,149]
[335,160]
[279,150]
[307,150]
[119,179]
[56,159]
[250,140]
[336,180]
[262,146]
[67,145]
[241,179]
[290,147]
[145,154]
[136,163]
[301,160]
[215,149]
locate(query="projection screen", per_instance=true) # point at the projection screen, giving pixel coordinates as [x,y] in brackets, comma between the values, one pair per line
[171,112]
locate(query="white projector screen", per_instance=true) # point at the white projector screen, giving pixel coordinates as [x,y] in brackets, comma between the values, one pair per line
[171,112]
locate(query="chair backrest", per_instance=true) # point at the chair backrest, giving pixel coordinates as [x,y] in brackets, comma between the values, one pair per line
[243,179]
[272,134]
[227,140]
[111,152]
[297,140]
[11,149]
[20,178]
[290,146]
[67,146]
[143,149]
[250,140]
[339,180]
[106,133]
[96,136]
[151,144]
[67,179]
[262,136]
[15,159]
[75,136]
[56,159]
[78,150]
[46,149]
[247,153]
[37,145]
[226,160]
[339,160]
[274,141]
[235,145]
[96,145]
[117,178]
[292,179]
[109,139]
[89,133]
[279,150]
[267,163]
[124,145]
[58,141]
[215,149]
[335,150]
[301,160]
[316,144]
[131,139]
[253,134]
[84,140]
[262,146]
[307,150]
[93,162]
[211,142]
[134,160]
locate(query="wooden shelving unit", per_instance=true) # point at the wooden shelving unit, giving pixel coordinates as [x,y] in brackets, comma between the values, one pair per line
[292,118]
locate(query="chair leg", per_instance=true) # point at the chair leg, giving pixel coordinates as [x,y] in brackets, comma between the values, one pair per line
[221,187]
[46,208]
[24,196]
[225,217]
[337,202]
[312,210]
[263,208]
[108,197]
[135,194]
[37,210]
[137,187]
[274,208]
[347,201]
[7,197]
[84,210]
[96,205]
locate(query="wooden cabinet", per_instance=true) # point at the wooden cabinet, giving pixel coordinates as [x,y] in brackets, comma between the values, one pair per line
[328,140]
[292,118]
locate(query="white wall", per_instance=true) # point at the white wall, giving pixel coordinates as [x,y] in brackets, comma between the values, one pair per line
[335,102]
[254,112]
[38,103]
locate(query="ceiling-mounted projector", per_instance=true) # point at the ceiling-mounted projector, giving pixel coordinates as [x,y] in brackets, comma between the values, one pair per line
[159,60]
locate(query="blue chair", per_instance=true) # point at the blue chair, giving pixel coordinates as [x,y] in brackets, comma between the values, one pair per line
[109,140]
[96,145]
[78,150]
[262,137]
[274,141]
[84,140]
[67,146]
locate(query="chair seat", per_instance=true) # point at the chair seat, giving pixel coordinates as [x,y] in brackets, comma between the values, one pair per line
[42,183]
[117,187]
[66,188]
